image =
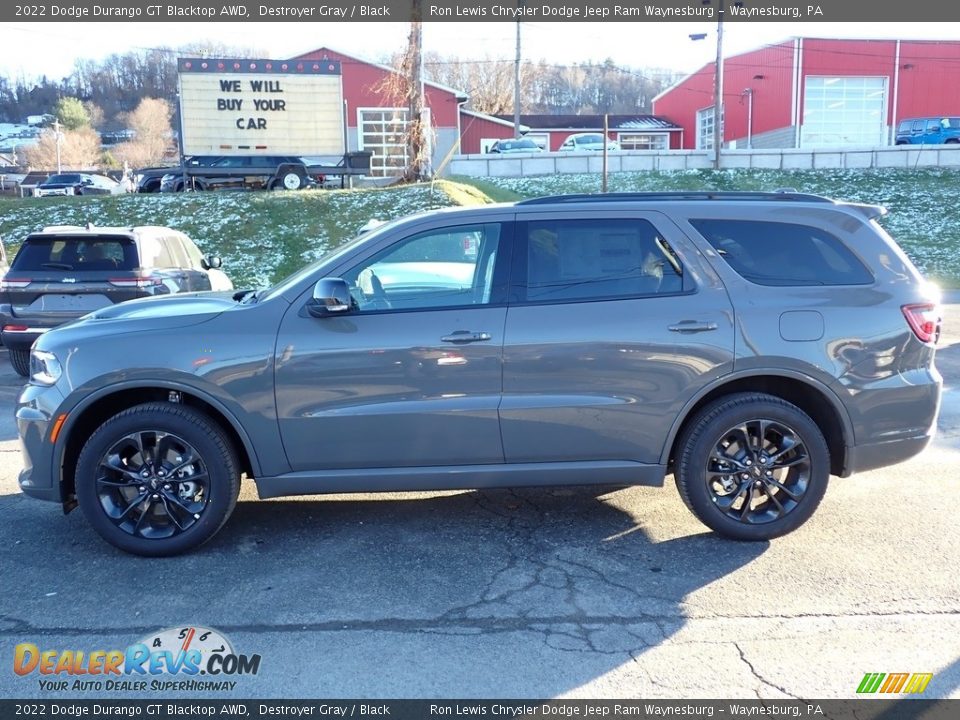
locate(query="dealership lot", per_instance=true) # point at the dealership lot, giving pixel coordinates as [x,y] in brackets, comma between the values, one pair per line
[586,592]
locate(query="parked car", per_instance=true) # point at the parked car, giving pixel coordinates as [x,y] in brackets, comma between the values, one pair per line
[929,131]
[147,180]
[240,172]
[592,142]
[751,344]
[64,272]
[78,184]
[523,145]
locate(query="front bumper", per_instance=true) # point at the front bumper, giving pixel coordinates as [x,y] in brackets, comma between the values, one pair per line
[36,412]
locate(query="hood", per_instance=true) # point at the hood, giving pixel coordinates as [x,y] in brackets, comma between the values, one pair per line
[144,315]
[183,305]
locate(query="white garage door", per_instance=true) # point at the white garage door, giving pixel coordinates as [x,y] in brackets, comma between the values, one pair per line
[844,112]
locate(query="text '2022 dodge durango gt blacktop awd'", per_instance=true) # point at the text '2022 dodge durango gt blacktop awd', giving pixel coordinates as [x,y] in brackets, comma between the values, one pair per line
[752,344]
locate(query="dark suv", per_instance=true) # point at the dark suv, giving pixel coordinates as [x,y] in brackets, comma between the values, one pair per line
[66,271]
[751,344]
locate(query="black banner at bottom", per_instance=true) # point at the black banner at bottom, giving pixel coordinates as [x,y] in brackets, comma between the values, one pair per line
[872,709]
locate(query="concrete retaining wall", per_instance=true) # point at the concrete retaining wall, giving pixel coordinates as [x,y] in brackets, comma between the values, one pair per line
[556,163]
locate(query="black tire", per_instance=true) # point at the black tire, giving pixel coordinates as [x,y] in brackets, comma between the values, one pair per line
[780,484]
[20,359]
[155,505]
[952,141]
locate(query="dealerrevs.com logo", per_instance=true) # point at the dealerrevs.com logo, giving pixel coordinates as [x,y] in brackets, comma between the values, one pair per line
[185,653]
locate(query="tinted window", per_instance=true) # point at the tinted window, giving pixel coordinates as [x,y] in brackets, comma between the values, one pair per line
[772,253]
[78,254]
[596,259]
[440,268]
[63,179]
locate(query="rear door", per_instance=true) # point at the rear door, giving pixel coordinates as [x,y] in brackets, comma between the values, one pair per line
[613,325]
[60,277]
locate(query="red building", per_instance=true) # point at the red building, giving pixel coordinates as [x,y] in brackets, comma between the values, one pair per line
[376,117]
[632,132]
[814,92]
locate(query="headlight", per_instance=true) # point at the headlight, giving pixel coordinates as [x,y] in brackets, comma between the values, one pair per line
[44,367]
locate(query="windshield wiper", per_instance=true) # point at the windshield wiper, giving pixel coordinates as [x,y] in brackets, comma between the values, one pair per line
[248,297]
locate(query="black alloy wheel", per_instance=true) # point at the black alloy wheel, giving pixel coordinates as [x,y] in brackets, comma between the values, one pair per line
[752,466]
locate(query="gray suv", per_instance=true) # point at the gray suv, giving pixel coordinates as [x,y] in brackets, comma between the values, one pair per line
[751,344]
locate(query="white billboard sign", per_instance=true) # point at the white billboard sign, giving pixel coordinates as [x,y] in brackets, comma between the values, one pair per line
[261,107]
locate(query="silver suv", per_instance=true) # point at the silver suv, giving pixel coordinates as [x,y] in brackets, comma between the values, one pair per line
[751,344]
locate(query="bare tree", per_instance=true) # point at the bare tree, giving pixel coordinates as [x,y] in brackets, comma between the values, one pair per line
[79,150]
[412,68]
[152,136]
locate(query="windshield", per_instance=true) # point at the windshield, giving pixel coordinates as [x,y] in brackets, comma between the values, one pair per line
[298,276]
[63,179]
[589,139]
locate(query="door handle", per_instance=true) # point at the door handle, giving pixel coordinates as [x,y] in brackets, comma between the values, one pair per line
[692,326]
[462,337]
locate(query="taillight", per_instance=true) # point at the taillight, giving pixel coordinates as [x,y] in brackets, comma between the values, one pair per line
[14,284]
[141,283]
[924,320]
[15,328]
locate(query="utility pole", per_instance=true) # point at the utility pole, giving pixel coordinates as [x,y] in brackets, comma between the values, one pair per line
[59,137]
[718,91]
[516,82]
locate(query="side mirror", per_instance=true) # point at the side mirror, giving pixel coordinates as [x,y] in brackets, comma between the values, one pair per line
[331,296]
[210,262]
[87,181]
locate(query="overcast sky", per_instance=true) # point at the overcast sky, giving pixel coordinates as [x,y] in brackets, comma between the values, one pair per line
[51,48]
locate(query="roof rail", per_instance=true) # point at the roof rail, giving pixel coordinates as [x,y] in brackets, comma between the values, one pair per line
[779,195]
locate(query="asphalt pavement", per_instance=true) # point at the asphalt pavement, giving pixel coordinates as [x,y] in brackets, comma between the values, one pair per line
[573,592]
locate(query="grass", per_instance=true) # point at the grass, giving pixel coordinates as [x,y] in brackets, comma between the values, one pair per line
[265,236]
[261,237]
[924,214]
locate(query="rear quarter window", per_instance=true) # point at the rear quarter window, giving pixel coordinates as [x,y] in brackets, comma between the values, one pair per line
[76,254]
[783,254]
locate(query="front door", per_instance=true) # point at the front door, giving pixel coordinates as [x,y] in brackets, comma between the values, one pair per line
[412,375]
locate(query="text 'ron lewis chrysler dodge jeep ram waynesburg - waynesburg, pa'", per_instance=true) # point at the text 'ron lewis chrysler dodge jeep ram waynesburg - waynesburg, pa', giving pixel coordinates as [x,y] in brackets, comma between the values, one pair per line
[751,344]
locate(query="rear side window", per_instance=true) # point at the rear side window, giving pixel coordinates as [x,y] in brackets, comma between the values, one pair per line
[783,254]
[76,254]
[578,260]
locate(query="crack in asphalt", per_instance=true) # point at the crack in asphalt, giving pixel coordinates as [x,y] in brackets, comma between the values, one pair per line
[761,678]
[11,626]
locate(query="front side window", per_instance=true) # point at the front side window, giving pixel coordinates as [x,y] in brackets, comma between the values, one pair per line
[601,259]
[451,267]
[783,254]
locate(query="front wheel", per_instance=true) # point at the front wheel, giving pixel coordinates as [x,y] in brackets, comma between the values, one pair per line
[157,479]
[752,466]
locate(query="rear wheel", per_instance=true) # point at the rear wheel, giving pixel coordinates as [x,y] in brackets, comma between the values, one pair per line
[291,180]
[953,141]
[752,466]
[157,479]
[20,359]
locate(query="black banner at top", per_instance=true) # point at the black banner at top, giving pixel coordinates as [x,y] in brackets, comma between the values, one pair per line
[482,10]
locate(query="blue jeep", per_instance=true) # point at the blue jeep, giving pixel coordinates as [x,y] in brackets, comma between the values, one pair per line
[929,131]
